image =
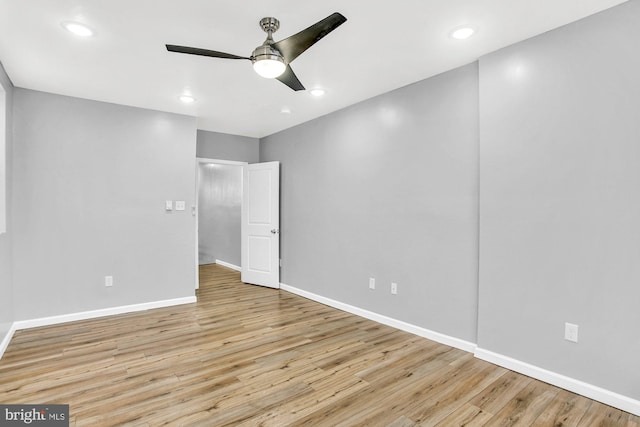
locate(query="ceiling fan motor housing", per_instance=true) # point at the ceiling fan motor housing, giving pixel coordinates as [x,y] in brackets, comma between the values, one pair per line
[266,52]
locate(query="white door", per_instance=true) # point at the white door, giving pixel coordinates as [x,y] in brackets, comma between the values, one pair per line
[261,224]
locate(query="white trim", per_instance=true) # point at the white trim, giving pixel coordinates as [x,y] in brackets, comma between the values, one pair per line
[398,324]
[593,392]
[222,162]
[84,315]
[7,339]
[197,225]
[228,265]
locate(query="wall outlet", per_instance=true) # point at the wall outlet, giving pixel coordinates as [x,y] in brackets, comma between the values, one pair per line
[394,288]
[372,283]
[108,280]
[180,205]
[571,332]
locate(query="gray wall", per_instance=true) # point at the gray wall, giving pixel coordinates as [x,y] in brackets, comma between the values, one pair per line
[387,188]
[560,200]
[6,280]
[90,180]
[222,146]
[219,212]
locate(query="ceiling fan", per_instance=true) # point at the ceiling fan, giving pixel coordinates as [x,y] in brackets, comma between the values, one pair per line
[271,59]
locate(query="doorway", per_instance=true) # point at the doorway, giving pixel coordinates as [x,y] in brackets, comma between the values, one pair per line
[218,213]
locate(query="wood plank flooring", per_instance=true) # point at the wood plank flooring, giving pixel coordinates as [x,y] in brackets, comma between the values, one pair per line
[251,356]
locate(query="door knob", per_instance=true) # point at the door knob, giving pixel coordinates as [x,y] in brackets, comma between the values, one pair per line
[275,231]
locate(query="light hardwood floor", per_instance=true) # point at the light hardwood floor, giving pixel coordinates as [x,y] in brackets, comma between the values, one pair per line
[248,356]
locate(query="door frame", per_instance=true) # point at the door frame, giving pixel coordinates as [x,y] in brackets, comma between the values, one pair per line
[199,161]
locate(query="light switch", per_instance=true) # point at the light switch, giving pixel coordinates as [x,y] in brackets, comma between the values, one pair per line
[180,205]
[168,205]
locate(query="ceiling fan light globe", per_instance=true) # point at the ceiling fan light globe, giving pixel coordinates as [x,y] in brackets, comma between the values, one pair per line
[269,68]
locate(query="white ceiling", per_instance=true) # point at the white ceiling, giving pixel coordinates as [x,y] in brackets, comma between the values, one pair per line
[382,46]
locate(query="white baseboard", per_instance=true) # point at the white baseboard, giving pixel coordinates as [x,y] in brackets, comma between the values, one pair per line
[7,339]
[593,392]
[398,324]
[228,265]
[84,315]
[596,393]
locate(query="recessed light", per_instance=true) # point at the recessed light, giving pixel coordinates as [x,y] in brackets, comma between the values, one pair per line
[463,33]
[318,92]
[78,29]
[187,99]
[285,110]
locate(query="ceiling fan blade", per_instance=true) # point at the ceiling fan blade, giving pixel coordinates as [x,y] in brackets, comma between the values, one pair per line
[293,46]
[289,78]
[203,52]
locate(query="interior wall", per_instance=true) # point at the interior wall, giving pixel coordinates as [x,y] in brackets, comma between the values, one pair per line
[560,206]
[6,276]
[90,183]
[3,160]
[387,189]
[219,213]
[222,146]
